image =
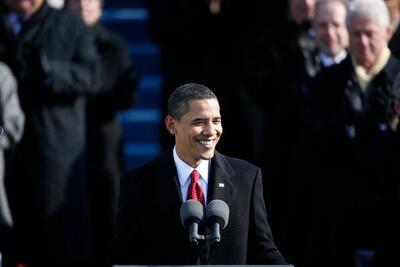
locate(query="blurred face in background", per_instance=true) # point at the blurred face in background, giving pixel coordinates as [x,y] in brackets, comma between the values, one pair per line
[394,9]
[330,27]
[89,10]
[301,10]
[367,39]
[24,7]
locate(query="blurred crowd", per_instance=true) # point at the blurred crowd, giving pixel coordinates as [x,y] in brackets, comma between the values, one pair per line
[64,77]
[309,91]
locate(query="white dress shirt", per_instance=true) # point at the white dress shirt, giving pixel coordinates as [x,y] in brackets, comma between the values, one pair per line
[184,171]
[328,61]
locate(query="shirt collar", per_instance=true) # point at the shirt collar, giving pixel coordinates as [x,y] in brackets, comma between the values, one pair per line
[184,170]
[328,61]
[16,21]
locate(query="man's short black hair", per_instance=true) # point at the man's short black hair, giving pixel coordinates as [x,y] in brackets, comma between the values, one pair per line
[178,101]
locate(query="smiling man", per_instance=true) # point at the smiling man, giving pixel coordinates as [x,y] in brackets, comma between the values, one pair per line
[149,228]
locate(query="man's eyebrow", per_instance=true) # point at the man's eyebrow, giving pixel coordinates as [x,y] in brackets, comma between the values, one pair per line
[198,119]
[205,119]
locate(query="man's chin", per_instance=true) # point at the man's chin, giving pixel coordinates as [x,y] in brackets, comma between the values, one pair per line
[208,155]
[333,51]
[364,62]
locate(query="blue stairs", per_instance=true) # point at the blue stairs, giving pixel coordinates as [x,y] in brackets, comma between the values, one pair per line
[141,123]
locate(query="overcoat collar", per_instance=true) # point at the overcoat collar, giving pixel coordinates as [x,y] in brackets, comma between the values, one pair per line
[220,183]
[37,17]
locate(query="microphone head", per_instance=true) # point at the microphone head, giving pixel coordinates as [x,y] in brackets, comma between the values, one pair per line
[191,211]
[217,211]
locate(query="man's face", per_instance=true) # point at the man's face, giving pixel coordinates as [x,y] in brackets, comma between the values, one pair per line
[301,10]
[367,40]
[24,7]
[330,28]
[197,132]
[89,10]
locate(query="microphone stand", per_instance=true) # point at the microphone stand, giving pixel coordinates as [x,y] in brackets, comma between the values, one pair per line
[208,243]
[203,253]
[198,243]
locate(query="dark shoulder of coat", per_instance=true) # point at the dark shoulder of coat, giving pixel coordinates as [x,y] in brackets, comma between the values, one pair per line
[66,26]
[118,76]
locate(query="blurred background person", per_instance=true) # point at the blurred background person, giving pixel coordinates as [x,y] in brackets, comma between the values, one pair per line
[272,67]
[382,164]
[53,57]
[12,123]
[104,131]
[301,17]
[331,35]
[344,114]
[332,41]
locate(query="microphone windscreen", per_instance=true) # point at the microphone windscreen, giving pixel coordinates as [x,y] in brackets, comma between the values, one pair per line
[217,211]
[191,210]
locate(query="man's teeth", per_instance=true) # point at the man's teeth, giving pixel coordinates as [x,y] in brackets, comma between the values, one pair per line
[208,142]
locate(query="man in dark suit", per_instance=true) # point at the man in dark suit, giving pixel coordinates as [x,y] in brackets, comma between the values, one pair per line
[381,164]
[104,130]
[149,228]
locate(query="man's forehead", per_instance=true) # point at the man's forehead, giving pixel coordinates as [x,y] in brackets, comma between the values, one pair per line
[364,21]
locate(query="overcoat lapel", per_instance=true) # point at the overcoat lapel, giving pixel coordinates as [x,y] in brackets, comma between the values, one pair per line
[33,25]
[220,184]
[167,189]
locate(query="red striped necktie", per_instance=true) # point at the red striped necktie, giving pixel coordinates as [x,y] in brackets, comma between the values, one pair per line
[195,191]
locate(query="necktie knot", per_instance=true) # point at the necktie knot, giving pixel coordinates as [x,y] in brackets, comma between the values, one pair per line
[195,176]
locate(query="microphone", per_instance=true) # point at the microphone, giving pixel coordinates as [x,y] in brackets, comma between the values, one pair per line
[192,213]
[217,216]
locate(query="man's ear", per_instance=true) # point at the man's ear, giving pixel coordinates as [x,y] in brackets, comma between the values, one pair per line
[389,33]
[170,124]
